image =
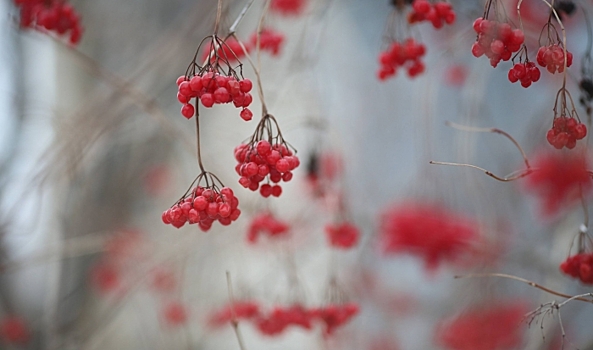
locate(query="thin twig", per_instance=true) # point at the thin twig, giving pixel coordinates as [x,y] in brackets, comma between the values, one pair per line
[234,322]
[512,177]
[533,284]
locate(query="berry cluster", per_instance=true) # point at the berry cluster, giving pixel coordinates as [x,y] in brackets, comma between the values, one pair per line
[579,266]
[343,235]
[243,310]
[430,231]
[496,326]
[280,318]
[496,40]
[269,40]
[558,179]
[51,15]
[214,88]
[335,315]
[526,72]
[438,13]
[288,7]
[408,54]
[565,132]
[552,58]
[266,223]
[204,206]
[265,157]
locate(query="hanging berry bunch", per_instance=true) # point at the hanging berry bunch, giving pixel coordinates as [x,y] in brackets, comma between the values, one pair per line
[205,204]
[437,13]
[580,266]
[269,40]
[266,223]
[402,51]
[288,7]
[496,40]
[216,82]
[566,127]
[527,73]
[51,15]
[266,156]
[551,56]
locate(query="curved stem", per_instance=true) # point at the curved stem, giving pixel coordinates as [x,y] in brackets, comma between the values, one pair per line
[198,139]
[512,177]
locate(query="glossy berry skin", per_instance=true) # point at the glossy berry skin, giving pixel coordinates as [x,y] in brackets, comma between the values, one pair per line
[526,73]
[552,58]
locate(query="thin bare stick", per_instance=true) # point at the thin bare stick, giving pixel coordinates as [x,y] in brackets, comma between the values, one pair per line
[491,130]
[533,284]
[233,27]
[234,321]
[512,177]
[218,16]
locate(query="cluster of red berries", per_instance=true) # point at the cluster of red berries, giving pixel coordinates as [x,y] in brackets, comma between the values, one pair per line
[526,72]
[496,326]
[214,88]
[52,15]
[430,231]
[335,315]
[288,7]
[280,318]
[269,40]
[579,266]
[438,13]
[263,160]
[266,223]
[552,58]
[565,132]
[203,207]
[343,235]
[408,54]
[242,310]
[558,179]
[498,41]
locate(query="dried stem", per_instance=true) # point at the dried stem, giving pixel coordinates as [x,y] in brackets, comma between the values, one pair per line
[197,115]
[218,16]
[492,130]
[511,177]
[234,321]
[533,284]
[233,27]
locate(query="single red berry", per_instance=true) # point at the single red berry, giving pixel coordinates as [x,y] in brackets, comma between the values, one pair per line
[188,110]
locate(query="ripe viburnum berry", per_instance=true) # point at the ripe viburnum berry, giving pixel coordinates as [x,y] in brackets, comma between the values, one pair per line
[203,206]
[558,179]
[265,157]
[552,58]
[343,235]
[495,326]
[496,40]
[438,14]
[579,266]
[52,15]
[430,231]
[565,132]
[269,40]
[266,223]
[407,54]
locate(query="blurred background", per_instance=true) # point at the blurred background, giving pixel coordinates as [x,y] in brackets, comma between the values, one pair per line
[93,149]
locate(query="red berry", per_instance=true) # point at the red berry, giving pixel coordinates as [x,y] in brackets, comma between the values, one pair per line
[188,110]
